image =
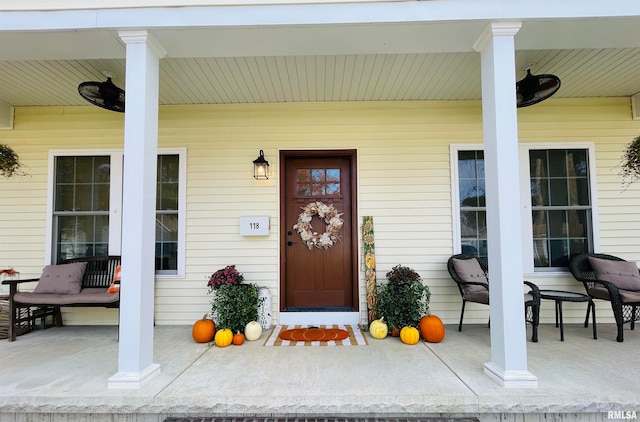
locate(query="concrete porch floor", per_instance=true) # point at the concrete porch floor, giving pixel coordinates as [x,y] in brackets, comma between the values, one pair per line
[60,374]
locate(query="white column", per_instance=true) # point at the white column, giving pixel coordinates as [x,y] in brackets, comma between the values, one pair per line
[135,352]
[508,363]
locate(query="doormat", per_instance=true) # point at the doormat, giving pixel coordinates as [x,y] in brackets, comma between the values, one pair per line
[355,336]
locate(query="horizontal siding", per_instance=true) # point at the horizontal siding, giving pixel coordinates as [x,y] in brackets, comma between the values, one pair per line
[403,174]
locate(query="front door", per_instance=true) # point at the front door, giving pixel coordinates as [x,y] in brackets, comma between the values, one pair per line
[318,273]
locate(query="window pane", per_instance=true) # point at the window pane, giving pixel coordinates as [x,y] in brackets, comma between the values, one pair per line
[579,191]
[333,175]
[64,198]
[557,224]
[84,170]
[317,175]
[577,162]
[559,192]
[559,253]
[538,164]
[539,192]
[557,162]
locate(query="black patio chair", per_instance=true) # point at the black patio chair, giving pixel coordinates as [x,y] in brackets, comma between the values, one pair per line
[613,279]
[471,276]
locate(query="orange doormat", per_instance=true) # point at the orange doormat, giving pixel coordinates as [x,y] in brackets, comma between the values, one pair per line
[335,335]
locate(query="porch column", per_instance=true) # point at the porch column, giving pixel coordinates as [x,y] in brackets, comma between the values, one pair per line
[135,352]
[508,364]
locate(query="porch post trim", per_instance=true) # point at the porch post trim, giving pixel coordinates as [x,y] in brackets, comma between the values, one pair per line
[135,350]
[508,363]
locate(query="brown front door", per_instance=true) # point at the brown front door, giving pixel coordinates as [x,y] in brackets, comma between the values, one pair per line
[316,277]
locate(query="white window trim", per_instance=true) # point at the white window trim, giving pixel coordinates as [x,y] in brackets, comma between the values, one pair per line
[115,202]
[525,198]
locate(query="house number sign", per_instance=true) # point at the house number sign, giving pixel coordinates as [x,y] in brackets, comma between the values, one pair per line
[254,225]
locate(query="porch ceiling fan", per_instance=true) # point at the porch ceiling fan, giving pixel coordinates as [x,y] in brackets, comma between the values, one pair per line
[103,94]
[533,89]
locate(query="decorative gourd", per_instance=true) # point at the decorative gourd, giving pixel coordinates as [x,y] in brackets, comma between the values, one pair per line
[203,330]
[378,328]
[432,328]
[409,335]
[238,338]
[223,337]
[253,331]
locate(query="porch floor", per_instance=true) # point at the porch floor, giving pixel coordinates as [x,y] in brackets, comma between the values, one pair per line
[61,374]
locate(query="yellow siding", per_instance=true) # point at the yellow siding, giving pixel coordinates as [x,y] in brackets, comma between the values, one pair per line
[403,175]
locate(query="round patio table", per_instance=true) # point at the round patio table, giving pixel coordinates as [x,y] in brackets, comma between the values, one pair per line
[560,296]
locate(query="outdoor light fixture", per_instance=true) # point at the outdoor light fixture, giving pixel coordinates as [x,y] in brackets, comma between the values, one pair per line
[261,167]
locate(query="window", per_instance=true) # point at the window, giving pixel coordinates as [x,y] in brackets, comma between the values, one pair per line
[560,205]
[86,199]
[473,214]
[559,186]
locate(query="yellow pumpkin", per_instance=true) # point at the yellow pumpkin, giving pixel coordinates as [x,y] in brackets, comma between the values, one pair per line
[252,331]
[203,330]
[409,335]
[223,337]
[378,328]
[431,328]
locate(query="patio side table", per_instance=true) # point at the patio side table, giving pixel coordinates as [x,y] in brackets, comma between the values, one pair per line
[560,296]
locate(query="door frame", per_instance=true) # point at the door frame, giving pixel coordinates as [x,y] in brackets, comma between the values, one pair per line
[352,154]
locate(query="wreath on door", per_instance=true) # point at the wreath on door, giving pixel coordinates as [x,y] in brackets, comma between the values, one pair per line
[329,214]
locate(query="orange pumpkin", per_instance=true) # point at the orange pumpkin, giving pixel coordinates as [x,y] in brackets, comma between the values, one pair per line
[431,328]
[223,337]
[409,335]
[238,338]
[203,330]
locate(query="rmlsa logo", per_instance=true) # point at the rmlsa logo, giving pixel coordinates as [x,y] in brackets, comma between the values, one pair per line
[621,414]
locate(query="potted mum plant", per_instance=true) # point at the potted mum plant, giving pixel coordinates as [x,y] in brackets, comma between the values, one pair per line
[403,300]
[234,303]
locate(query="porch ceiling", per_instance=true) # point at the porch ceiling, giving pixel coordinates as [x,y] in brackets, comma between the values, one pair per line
[391,61]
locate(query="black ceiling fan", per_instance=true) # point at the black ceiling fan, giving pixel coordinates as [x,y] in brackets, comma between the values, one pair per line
[103,94]
[533,89]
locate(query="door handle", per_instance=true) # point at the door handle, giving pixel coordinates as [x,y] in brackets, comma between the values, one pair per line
[289,243]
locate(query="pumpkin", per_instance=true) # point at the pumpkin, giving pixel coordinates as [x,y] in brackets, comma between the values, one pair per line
[409,335]
[253,331]
[238,338]
[203,330]
[431,328]
[378,328]
[223,337]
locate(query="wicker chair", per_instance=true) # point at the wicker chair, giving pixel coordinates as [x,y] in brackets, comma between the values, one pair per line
[624,303]
[475,288]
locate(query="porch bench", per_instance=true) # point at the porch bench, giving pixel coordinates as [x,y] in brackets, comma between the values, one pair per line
[98,275]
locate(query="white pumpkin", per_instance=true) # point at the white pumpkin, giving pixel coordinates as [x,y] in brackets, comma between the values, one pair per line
[252,331]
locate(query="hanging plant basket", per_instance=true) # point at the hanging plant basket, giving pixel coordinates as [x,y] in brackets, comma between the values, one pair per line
[630,163]
[9,162]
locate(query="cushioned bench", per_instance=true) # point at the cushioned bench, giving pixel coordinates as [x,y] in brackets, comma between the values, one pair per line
[77,282]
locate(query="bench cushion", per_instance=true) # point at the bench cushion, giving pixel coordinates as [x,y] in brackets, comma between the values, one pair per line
[87,297]
[62,279]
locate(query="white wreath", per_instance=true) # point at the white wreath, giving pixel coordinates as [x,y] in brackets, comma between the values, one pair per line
[330,216]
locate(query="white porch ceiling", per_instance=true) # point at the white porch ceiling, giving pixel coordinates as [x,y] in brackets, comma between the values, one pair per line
[382,61]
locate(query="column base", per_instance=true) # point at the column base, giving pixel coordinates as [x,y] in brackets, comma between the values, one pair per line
[511,379]
[133,380]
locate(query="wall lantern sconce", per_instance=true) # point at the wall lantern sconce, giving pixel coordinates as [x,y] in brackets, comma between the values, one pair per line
[261,167]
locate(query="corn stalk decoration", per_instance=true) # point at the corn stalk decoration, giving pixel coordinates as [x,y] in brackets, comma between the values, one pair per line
[370,265]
